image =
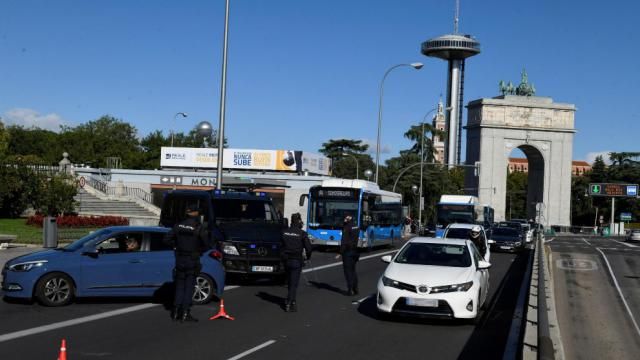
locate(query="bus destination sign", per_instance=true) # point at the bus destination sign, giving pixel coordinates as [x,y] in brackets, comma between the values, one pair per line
[613,190]
[336,193]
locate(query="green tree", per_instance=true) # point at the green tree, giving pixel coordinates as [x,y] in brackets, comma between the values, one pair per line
[151,146]
[19,190]
[416,134]
[4,140]
[517,187]
[56,195]
[344,166]
[95,141]
[34,141]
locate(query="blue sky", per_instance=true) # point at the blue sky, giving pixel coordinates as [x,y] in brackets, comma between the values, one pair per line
[302,72]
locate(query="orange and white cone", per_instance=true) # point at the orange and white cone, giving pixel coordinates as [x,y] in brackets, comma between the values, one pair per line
[63,350]
[221,313]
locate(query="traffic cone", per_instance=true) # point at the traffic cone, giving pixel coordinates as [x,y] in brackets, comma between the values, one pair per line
[221,313]
[63,350]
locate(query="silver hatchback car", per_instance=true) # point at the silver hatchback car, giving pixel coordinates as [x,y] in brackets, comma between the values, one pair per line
[633,235]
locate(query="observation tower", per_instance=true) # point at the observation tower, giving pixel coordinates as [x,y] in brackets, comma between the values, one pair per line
[454,48]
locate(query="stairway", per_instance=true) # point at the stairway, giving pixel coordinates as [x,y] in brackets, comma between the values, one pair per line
[89,204]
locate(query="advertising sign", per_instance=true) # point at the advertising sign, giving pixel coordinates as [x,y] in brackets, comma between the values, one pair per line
[245,159]
[617,190]
[625,216]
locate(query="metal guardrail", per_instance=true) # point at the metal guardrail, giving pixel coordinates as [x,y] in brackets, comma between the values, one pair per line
[545,344]
[107,189]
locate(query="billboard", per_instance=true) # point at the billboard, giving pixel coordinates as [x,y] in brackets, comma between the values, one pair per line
[616,190]
[245,159]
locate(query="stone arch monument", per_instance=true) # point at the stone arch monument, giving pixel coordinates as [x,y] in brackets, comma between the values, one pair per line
[544,131]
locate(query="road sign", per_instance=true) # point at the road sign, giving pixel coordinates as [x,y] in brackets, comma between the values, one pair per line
[613,190]
[625,216]
[82,182]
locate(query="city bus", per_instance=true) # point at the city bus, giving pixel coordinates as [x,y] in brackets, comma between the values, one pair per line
[463,209]
[378,213]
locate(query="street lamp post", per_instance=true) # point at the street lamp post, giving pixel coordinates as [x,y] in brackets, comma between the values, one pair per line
[357,165]
[368,173]
[422,164]
[184,115]
[223,98]
[417,66]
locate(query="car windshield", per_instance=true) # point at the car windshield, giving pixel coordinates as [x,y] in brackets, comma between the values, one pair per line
[78,244]
[505,232]
[457,233]
[435,254]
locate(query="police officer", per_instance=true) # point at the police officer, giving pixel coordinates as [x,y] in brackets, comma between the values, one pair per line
[349,253]
[294,241]
[474,236]
[189,239]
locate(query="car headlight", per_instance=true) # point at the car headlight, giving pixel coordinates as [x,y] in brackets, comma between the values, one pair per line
[452,288]
[518,243]
[230,249]
[388,282]
[26,266]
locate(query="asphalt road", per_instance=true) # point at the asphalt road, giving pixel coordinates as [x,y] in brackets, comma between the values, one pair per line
[597,292]
[327,325]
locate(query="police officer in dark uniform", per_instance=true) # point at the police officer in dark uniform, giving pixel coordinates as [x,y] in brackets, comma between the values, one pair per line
[349,253]
[189,238]
[294,241]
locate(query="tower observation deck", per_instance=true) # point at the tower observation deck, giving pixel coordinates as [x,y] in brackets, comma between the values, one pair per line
[454,48]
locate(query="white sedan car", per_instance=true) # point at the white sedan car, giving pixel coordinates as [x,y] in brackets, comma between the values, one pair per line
[429,277]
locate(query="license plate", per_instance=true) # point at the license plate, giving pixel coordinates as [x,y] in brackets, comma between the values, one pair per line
[505,247]
[262,268]
[422,302]
[332,243]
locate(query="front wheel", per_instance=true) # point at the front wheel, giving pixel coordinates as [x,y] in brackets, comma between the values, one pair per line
[205,289]
[55,289]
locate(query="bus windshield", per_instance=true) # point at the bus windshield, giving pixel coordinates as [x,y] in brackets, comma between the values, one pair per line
[453,213]
[328,207]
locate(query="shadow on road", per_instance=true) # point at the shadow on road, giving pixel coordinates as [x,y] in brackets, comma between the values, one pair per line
[490,337]
[278,300]
[325,286]
[369,309]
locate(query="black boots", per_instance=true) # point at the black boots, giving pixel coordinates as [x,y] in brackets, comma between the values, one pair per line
[186,316]
[290,306]
[176,313]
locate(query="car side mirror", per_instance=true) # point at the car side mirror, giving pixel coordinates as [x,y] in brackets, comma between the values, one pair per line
[483,265]
[91,252]
[302,199]
[386,258]
[491,241]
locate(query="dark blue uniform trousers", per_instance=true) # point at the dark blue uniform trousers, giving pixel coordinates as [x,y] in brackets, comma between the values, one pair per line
[349,260]
[187,268]
[294,268]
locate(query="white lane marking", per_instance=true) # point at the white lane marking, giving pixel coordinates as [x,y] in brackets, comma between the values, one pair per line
[54,326]
[85,319]
[357,302]
[340,263]
[585,240]
[252,350]
[615,281]
[625,244]
[548,241]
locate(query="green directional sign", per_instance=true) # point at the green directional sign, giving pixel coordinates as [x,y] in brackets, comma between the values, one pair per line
[595,189]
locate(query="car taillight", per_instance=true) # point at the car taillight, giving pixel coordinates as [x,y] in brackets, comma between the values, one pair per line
[216,254]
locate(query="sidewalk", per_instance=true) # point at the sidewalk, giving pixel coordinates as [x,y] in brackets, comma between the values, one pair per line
[15,250]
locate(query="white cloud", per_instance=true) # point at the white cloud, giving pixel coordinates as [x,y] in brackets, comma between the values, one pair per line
[384,148]
[591,157]
[32,118]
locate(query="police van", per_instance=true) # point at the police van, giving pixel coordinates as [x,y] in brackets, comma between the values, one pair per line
[248,221]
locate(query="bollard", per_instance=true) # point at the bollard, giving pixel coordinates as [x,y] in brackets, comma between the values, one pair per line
[50,232]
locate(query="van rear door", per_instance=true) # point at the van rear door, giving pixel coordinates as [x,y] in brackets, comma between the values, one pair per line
[175,204]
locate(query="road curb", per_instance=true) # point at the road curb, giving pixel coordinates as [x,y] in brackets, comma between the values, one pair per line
[530,341]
